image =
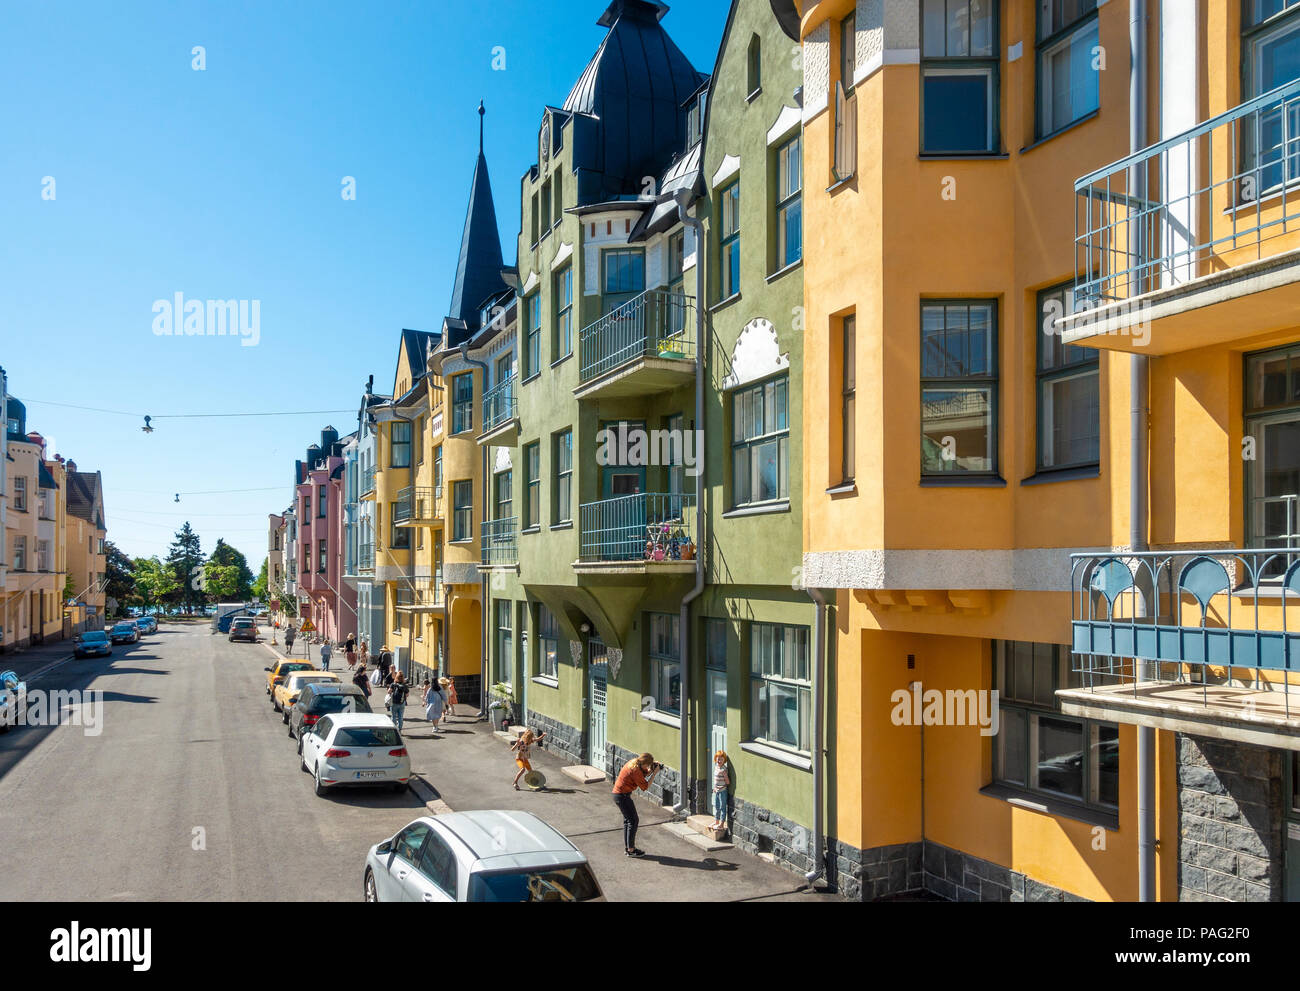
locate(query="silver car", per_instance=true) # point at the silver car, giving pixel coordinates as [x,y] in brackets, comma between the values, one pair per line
[483,856]
[355,749]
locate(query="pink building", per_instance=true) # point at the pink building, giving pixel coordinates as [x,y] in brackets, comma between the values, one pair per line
[319,500]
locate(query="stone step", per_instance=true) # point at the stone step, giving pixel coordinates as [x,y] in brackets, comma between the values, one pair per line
[690,835]
[700,824]
[585,773]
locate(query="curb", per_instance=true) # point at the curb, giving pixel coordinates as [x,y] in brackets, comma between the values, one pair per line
[425,792]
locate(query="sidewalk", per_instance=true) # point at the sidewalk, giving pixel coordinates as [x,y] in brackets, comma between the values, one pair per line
[466,767]
[30,661]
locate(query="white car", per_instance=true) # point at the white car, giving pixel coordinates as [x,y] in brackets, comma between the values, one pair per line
[13,700]
[355,749]
[479,857]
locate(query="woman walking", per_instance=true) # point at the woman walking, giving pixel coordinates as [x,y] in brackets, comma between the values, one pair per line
[362,681]
[350,649]
[397,699]
[433,703]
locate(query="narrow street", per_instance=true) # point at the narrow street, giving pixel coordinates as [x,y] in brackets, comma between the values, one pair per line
[192,791]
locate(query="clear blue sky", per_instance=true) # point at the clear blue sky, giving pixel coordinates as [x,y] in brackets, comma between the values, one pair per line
[225,184]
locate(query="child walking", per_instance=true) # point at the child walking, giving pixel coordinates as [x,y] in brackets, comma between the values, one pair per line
[721,782]
[521,747]
[449,686]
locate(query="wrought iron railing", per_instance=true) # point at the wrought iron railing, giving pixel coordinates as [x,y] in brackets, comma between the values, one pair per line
[414,503]
[500,541]
[499,404]
[366,557]
[367,480]
[655,324]
[646,526]
[1173,211]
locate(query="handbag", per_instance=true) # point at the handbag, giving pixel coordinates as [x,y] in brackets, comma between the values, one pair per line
[376,677]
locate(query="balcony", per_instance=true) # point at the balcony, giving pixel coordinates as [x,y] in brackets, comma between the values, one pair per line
[500,415]
[500,543]
[365,558]
[643,347]
[421,594]
[639,532]
[367,487]
[1196,641]
[417,506]
[1194,241]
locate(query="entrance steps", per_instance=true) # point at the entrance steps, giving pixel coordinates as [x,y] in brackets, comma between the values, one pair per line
[584,773]
[695,830]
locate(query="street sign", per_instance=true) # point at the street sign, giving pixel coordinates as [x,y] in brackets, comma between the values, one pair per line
[307,626]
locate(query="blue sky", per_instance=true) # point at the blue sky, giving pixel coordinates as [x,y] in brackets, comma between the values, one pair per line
[225,184]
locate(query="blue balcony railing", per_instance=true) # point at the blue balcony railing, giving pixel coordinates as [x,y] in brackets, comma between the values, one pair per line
[368,480]
[499,404]
[1171,212]
[655,324]
[500,541]
[646,526]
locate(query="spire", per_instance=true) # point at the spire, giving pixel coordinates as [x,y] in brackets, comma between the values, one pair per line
[478,271]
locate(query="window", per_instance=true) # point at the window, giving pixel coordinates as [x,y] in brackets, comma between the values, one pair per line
[462,524]
[959,77]
[760,443]
[848,50]
[563,461]
[437,471]
[533,479]
[409,841]
[321,556]
[535,221]
[755,62]
[789,204]
[505,641]
[399,446]
[548,636]
[419,440]
[715,634]
[780,685]
[1040,749]
[546,208]
[624,272]
[1068,80]
[438,865]
[505,504]
[1069,412]
[1270,38]
[559,197]
[678,481]
[532,357]
[676,281]
[1272,411]
[666,663]
[562,342]
[20,553]
[306,557]
[321,502]
[20,493]
[959,388]
[848,396]
[695,121]
[306,507]
[462,403]
[400,536]
[729,245]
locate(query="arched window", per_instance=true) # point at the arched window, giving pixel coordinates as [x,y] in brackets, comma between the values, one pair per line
[755,65]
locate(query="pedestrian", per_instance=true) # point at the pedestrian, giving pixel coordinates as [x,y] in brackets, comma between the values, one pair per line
[434,701]
[289,636]
[386,666]
[325,651]
[721,782]
[362,681]
[636,773]
[523,743]
[449,689]
[365,652]
[350,649]
[397,699]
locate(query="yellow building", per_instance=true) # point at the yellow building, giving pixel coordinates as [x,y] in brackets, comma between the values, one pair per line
[979,327]
[85,532]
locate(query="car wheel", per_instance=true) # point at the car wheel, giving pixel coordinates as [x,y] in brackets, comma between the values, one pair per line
[284,717]
[290,730]
[320,786]
[300,747]
[275,706]
[372,893]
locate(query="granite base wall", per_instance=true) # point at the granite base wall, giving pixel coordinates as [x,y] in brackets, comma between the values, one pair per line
[663,789]
[567,741]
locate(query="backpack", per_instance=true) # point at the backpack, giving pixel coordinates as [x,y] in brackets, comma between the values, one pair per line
[399,694]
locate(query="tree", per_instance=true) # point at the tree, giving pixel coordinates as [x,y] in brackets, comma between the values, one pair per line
[260,587]
[222,581]
[224,554]
[183,558]
[118,570]
[154,581]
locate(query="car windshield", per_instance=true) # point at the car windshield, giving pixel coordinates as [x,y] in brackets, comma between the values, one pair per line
[124,628]
[243,622]
[339,703]
[367,736]
[94,637]
[552,884]
[290,668]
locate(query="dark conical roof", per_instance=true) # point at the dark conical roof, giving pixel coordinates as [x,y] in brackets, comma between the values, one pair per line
[478,270]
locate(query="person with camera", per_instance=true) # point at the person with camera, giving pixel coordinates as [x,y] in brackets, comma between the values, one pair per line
[636,774]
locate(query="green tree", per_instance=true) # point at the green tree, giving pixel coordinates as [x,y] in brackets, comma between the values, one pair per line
[224,554]
[185,561]
[118,570]
[222,581]
[260,586]
[154,581]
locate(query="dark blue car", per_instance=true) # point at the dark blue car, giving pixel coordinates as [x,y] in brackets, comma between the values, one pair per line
[94,643]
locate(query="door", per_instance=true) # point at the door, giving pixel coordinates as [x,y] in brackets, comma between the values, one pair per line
[394,884]
[622,519]
[598,683]
[717,689]
[434,878]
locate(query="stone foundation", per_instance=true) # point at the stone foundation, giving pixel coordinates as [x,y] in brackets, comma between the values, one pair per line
[469,690]
[662,790]
[561,739]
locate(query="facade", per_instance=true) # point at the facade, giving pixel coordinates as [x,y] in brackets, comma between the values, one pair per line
[275,556]
[319,502]
[359,471]
[85,533]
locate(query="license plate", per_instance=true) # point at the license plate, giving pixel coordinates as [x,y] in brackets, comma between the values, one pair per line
[369,774]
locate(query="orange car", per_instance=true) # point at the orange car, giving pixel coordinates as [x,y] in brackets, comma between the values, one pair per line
[282,669]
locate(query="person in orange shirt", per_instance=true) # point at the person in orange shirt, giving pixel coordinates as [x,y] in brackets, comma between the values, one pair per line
[636,773]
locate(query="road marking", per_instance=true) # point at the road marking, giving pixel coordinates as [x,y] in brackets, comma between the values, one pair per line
[49,667]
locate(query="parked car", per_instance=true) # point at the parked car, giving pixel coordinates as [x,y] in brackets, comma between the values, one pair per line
[355,749]
[282,669]
[126,632]
[147,624]
[92,643]
[286,693]
[324,698]
[243,628]
[482,856]
[13,700]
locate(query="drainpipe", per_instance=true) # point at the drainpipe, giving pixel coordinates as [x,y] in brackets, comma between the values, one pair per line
[819,717]
[683,198]
[1138,440]
[410,660]
[483,580]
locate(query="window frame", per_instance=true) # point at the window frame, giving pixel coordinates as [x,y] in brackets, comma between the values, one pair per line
[458,486]
[548,643]
[532,485]
[399,537]
[395,445]
[562,295]
[664,652]
[505,641]
[788,202]
[767,436]
[848,397]
[754,67]
[462,407]
[802,687]
[322,501]
[992,382]
[1045,46]
[727,240]
[1059,373]
[562,442]
[848,53]
[531,355]
[949,65]
[1254,417]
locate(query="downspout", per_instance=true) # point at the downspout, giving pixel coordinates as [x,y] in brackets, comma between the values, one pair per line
[410,584]
[483,580]
[683,199]
[1138,441]
[819,717]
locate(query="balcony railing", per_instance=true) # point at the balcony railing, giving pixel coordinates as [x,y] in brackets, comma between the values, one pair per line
[425,590]
[499,404]
[500,541]
[1181,208]
[414,503]
[368,480]
[646,526]
[655,324]
[366,557]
